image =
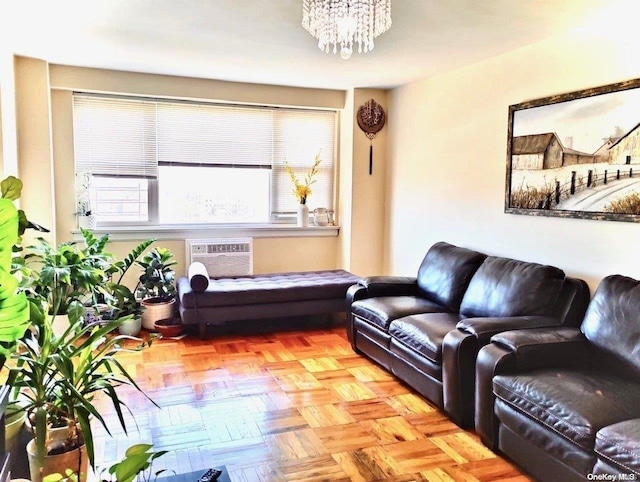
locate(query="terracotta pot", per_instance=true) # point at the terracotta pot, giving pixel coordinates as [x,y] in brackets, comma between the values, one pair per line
[76,459]
[169,327]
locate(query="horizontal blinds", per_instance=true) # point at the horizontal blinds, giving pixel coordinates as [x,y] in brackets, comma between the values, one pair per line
[298,137]
[115,137]
[131,137]
[198,134]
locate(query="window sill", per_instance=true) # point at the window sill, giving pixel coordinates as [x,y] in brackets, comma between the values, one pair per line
[135,233]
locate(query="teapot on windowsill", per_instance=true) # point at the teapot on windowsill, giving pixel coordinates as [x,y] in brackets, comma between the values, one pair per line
[322,217]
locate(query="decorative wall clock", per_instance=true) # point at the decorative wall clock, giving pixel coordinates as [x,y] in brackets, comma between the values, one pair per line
[371,119]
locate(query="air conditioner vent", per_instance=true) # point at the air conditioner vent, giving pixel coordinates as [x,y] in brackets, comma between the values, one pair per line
[222,257]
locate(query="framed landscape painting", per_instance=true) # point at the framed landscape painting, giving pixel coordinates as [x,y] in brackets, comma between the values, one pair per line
[576,155]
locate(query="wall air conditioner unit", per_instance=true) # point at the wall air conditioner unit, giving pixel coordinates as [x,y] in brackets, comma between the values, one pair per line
[222,257]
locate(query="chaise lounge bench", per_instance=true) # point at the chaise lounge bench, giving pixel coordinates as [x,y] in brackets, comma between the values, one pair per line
[205,301]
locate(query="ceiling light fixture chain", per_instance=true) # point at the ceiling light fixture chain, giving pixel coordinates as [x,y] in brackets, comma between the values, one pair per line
[345,22]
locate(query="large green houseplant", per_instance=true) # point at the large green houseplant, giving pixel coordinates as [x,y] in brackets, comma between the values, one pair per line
[156,286]
[14,309]
[68,274]
[60,376]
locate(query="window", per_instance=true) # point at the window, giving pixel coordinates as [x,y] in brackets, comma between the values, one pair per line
[161,162]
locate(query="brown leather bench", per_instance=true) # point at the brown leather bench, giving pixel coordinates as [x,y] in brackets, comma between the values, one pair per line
[206,301]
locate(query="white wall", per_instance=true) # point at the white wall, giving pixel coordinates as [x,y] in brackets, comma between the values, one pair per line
[447,158]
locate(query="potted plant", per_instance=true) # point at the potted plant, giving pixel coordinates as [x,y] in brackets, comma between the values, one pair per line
[156,286]
[120,299]
[302,190]
[14,306]
[137,464]
[67,274]
[59,377]
[86,218]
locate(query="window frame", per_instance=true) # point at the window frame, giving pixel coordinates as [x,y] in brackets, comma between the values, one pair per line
[276,220]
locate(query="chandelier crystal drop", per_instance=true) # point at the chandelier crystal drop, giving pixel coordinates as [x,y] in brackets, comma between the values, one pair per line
[342,23]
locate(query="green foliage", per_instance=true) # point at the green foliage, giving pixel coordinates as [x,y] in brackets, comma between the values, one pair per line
[11,188]
[157,278]
[60,375]
[14,309]
[67,274]
[121,267]
[137,462]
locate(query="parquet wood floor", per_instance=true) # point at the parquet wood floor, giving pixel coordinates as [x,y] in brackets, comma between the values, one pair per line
[291,406]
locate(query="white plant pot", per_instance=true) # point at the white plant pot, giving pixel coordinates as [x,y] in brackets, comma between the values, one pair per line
[153,312]
[87,222]
[131,327]
[12,430]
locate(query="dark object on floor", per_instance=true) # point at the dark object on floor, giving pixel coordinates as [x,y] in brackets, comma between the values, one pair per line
[565,403]
[427,329]
[169,327]
[196,476]
[210,475]
[220,301]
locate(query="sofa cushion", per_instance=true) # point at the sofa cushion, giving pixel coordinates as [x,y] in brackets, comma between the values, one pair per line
[445,273]
[620,443]
[381,311]
[611,322]
[508,287]
[574,404]
[424,332]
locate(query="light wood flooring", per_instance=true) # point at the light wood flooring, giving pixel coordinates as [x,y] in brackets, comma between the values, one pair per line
[290,406]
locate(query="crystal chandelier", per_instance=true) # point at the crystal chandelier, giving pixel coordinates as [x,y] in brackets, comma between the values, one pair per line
[343,22]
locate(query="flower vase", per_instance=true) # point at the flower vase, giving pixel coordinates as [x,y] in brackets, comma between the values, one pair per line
[303,215]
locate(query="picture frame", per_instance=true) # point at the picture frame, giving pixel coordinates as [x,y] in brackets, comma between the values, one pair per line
[576,155]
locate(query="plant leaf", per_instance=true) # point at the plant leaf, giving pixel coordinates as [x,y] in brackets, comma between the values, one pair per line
[11,188]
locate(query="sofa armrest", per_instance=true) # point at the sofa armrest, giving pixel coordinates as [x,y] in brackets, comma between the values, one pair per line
[484,328]
[492,360]
[459,351]
[520,351]
[545,347]
[389,285]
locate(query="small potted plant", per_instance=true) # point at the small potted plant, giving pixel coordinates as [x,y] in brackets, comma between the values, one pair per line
[302,190]
[156,286]
[86,218]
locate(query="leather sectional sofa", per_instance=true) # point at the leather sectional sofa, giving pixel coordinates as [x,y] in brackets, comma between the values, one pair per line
[427,329]
[565,403]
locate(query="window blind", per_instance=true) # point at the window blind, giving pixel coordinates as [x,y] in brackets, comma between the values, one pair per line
[298,137]
[131,137]
[115,137]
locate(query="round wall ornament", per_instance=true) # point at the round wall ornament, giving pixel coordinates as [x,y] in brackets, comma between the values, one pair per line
[371,118]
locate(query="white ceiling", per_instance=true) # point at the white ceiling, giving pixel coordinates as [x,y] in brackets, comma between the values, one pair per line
[262,41]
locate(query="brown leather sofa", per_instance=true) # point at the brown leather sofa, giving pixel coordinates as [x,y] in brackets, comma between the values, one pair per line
[427,329]
[565,403]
